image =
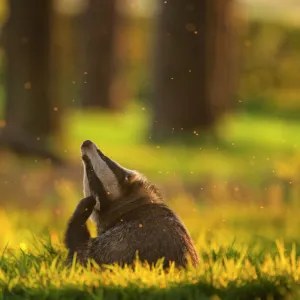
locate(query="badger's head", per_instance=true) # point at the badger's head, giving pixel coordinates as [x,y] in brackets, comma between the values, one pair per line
[108,182]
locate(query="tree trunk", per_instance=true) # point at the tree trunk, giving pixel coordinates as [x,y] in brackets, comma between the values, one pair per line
[29,114]
[99,26]
[192,83]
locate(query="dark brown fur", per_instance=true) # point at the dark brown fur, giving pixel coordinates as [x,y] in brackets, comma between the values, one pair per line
[137,222]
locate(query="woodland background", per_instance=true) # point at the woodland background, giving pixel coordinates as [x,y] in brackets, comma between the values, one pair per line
[203,97]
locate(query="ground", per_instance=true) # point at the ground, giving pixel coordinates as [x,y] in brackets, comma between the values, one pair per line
[238,198]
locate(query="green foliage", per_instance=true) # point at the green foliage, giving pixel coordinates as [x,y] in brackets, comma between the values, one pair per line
[269,77]
[248,146]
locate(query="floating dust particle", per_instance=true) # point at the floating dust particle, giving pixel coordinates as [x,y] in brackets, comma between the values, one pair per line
[261,207]
[73,82]
[190,71]
[2,124]
[85,73]
[54,235]
[24,40]
[38,138]
[108,193]
[157,147]
[27,85]
[195,32]
[55,108]
[172,78]
[248,43]
[121,220]
[48,161]
[143,108]
[140,225]
[190,27]
[236,189]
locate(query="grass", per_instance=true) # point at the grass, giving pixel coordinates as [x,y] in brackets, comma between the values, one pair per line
[244,255]
[218,277]
[248,249]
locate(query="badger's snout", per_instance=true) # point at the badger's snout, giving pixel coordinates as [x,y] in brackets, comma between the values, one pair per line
[86,144]
[98,173]
[89,149]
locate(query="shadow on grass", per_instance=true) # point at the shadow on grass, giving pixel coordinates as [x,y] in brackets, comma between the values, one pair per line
[260,289]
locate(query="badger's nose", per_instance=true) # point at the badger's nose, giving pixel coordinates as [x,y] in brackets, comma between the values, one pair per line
[86,144]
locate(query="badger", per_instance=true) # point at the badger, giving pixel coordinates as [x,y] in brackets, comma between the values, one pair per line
[131,218]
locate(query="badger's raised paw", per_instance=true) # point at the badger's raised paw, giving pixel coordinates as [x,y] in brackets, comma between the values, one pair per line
[84,209]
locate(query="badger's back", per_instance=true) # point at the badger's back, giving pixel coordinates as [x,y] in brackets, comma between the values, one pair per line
[151,229]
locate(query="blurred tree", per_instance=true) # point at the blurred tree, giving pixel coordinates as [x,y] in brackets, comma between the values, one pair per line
[99,22]
[30,118]
[193,62]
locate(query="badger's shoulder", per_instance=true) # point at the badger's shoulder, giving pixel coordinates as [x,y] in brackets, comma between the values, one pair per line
[135,211]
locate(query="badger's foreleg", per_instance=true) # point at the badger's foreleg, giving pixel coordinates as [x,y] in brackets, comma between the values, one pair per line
[77,236]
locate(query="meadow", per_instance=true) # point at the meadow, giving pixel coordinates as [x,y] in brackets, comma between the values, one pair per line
[238,196]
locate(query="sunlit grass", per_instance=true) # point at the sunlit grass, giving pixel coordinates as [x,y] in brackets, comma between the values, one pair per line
[244,255]
[247,249]
[224,276]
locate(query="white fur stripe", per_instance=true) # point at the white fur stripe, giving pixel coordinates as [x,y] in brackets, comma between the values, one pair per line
[102,171]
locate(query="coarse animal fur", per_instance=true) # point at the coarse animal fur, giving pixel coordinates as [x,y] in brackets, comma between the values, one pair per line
[130,215]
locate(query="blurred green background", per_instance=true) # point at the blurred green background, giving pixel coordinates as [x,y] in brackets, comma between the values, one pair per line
[201,97]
